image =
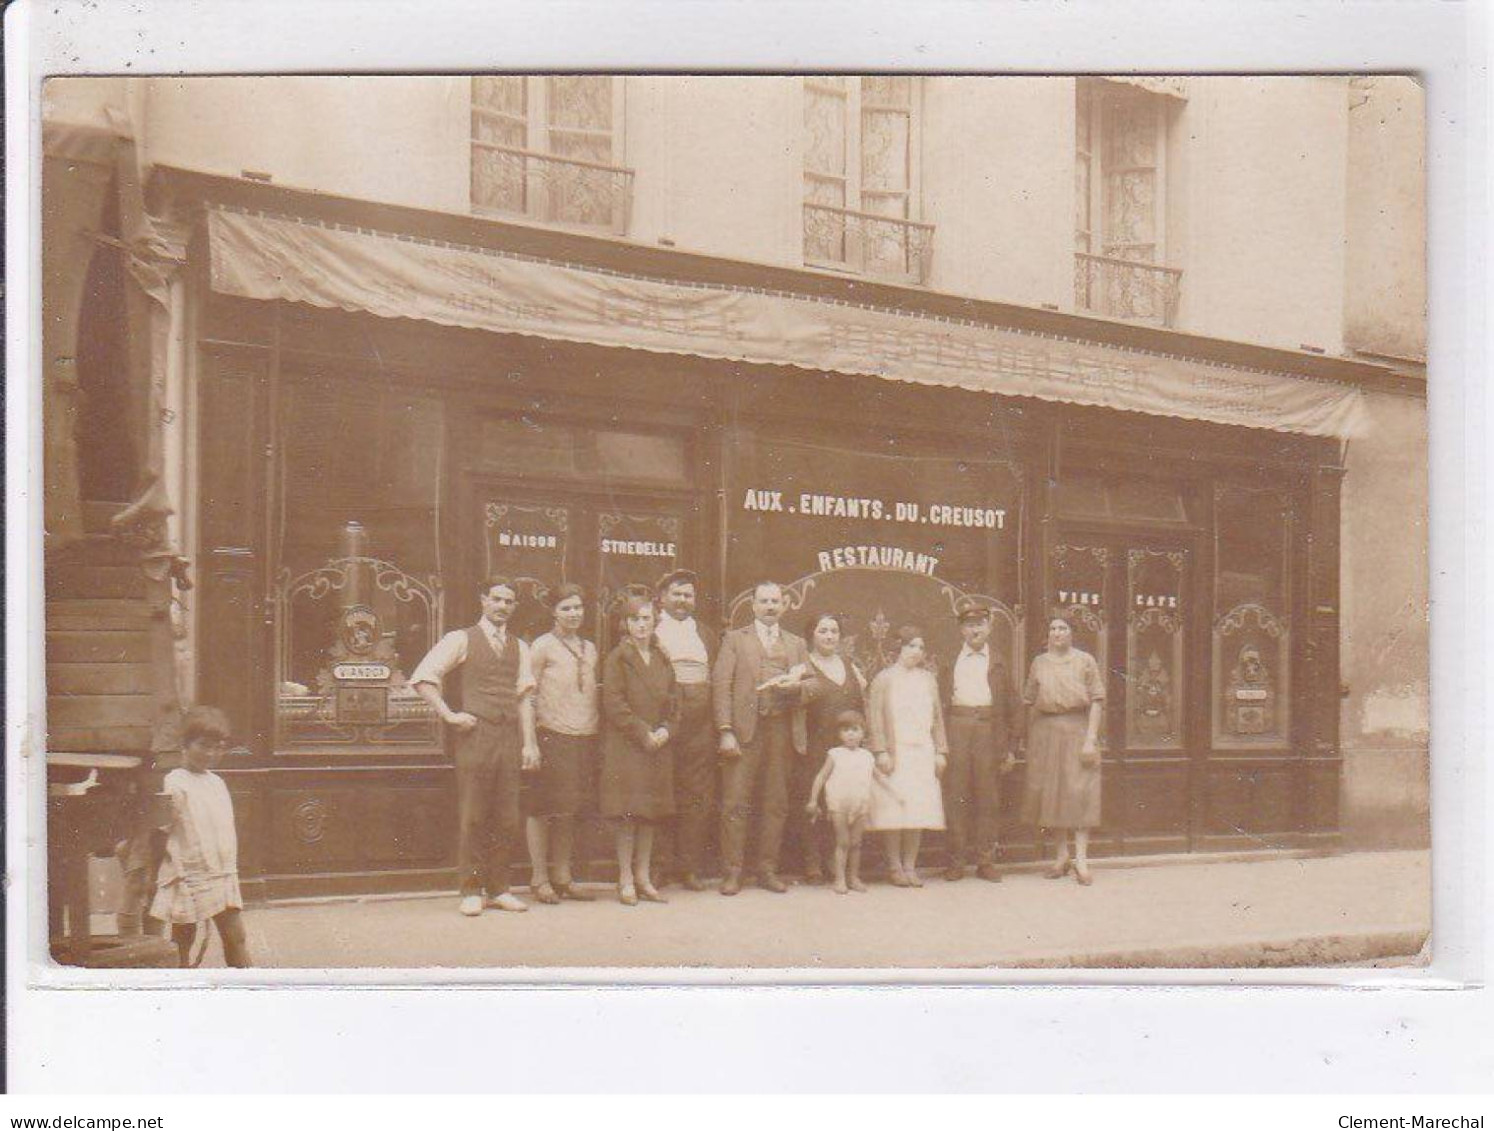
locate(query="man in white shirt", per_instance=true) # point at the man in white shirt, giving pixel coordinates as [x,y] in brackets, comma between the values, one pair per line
[983,718]
[495,740]
[690,647]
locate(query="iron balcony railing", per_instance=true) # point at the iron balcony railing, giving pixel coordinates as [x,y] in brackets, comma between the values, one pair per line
[562,190]
[1125,288]
[868,242]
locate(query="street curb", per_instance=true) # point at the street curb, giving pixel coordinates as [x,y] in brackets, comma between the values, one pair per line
[1315,950]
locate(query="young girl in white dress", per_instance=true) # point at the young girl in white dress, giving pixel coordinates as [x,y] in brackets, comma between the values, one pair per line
[847,779]
[199,877]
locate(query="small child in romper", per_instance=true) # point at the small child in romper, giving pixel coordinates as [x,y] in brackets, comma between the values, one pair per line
[846,778]
[199,877]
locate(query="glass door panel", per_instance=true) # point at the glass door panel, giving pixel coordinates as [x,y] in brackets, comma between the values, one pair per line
[1155,617]
[635,547]
[1082,592]
[531,542]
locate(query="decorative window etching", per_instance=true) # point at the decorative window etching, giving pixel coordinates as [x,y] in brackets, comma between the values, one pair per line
[860,176]
[1252,628]
[529,544]
[633,551]
[1155,615]
[549,147]
[1080,594]
[1119,204]
[498,180]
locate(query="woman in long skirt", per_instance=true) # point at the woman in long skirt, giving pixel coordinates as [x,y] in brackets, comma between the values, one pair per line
[1066,694]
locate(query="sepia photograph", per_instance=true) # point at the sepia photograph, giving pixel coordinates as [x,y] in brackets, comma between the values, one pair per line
[820,523]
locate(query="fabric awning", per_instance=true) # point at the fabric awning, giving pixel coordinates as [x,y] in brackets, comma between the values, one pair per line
[260,256]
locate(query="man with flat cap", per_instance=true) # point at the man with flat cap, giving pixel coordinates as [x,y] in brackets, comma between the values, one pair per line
[691,647]
[983,713]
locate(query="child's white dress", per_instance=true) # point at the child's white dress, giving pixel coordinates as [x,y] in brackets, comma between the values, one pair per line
[199,877]
[849,788]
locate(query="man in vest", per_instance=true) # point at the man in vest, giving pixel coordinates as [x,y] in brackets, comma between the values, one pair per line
[758,693]
[495,740]
[690,647]
[983,714]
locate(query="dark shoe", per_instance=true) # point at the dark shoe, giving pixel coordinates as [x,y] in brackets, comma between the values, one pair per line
[572,892]
[769,881]
[545,893]
[990,873]
[732,884]
[691,882]
[954,872]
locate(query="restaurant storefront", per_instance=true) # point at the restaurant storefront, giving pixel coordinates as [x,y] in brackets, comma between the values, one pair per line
[392,405]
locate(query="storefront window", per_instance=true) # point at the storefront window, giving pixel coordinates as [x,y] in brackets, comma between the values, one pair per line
[529,543]
[1078,574]
[878,540]
[519,446]
[358,598]
[1090,495]
[1252,632]
[550,147]
[1154,648]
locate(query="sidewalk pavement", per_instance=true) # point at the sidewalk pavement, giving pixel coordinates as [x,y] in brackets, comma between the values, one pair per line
[1182,912]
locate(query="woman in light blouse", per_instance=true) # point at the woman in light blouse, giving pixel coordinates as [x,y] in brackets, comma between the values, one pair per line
[1066,694]
[907,735]
[566,715]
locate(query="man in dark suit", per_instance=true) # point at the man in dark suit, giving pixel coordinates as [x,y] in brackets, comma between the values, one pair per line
[758,693]
[983,713]
[691,648]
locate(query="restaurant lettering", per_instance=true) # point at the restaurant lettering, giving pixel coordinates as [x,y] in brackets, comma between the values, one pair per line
[876,557]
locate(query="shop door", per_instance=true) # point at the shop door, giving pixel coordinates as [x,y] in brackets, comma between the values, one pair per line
[1130,600]
[607,543]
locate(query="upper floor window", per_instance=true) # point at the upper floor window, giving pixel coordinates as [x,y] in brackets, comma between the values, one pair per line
[549,147]
[861,145]
[1120,203]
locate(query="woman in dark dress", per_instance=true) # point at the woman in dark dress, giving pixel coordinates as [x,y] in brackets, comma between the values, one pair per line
[640,710]
[835,685]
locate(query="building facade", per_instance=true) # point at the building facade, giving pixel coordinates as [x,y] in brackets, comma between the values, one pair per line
[324,353]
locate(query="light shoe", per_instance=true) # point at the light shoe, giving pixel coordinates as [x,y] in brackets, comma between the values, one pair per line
[507,901]
[471,905]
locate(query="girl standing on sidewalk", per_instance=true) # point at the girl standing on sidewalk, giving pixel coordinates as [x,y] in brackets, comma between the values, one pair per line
[199,877]
[846,778]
